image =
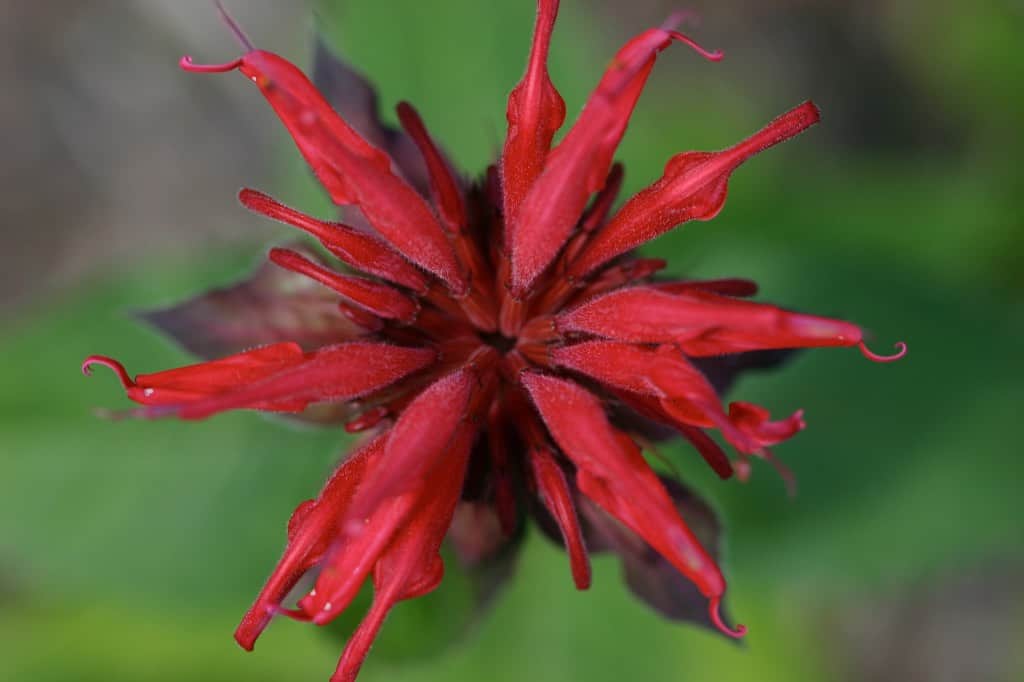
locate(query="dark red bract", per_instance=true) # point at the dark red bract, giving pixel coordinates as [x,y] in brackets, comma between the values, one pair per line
[499,342]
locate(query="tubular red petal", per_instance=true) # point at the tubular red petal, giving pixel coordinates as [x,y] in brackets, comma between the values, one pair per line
[702,323]
[309,535]
[555,494]
[421,437]
[352,170]
[360,250]
[379,299]
[732,286]
[708,449]
[367,535]
[604,199]
[755,422]
[341,372]
[535,112]
[682,391]
[411,565]
[693,187]
[578,166]
[443,183]
[195,382]
[613,473]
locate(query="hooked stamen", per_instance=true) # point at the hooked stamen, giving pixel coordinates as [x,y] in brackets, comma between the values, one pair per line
[713,609]
[235,28]
[187,64]
[117,367]
[901,350]
[710,55]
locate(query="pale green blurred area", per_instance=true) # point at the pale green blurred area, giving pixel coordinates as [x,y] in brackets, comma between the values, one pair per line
[129,550]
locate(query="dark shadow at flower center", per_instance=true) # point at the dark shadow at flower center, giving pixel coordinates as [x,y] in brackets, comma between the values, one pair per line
[498,341]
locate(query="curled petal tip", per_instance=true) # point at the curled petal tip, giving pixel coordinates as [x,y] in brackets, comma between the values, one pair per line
[187,64]
[710,55]
[901,350]
[117,367]
[716,618]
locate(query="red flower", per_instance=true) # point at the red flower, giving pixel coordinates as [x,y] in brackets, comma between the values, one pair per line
[502,344]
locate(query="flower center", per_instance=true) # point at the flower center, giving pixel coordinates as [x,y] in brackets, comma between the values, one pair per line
[503,344]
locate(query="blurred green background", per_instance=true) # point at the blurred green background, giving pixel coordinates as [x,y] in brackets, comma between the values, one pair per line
[128,551]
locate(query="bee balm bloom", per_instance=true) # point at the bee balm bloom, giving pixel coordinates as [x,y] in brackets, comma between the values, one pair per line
[498,341]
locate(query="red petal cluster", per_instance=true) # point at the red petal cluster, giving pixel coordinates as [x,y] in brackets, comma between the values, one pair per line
[493,329]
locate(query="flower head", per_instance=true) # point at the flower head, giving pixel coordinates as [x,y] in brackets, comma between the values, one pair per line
[499,343]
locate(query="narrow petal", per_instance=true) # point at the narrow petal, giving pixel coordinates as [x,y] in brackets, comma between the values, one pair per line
[361,250]
[535,112]
[579,165]
[682,392]
[554,492]
[363,537]
[352,170]
[649,575]
[731,286]
[380,299]
[613,473]
[703,323]
[270,306]
[355,100]
[421,437]
[279,377]
[755,421]
[310,531]
[693,187]
[444,186]
[198,381]
[411,565]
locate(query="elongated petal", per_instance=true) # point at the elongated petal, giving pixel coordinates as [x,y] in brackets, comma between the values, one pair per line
[683,393]
[364,536]
[693,187]
[703,323]
[270,306]
[756,422]
[361,250]
[411,565]
[355,100]
[310,532]
[444,186]
[352,170]
[281,378]
[554,492]
[579,165]
[195,382]
[613,473]
[662,372]
[421,437]
[648,574]
[535,112]
[380,299]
